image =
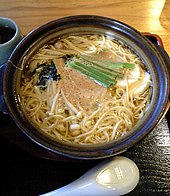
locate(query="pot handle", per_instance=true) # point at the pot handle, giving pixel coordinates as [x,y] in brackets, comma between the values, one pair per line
[157,41]
[2,103]
[154,38]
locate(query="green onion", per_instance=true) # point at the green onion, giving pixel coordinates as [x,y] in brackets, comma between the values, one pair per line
[119,65]
[93,74]
[103,72]
[104,67]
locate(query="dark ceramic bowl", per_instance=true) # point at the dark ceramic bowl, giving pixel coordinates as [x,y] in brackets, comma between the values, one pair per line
[154,57]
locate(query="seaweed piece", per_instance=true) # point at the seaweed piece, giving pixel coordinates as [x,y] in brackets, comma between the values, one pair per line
[46,71]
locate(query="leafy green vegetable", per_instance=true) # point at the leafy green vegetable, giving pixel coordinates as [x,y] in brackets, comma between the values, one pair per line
[102,65]
[94,74]
[118,65]
[103,72]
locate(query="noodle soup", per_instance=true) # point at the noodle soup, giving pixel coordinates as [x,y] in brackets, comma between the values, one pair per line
[85,89]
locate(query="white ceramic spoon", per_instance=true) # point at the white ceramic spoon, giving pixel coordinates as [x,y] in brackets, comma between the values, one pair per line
[114,176]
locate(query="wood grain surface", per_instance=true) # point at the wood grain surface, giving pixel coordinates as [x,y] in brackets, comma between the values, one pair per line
[146,15]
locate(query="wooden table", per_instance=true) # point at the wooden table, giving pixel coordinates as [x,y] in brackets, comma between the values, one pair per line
[28,175]
[146,15]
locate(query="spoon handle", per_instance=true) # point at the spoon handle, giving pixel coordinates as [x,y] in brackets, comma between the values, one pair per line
[79,187]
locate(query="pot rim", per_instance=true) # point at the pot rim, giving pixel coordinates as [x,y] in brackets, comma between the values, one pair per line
[99,150]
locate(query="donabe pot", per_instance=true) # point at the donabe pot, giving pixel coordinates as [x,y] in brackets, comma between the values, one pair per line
[154,57]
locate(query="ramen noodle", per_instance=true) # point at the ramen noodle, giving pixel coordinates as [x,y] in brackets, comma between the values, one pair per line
[69,94]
